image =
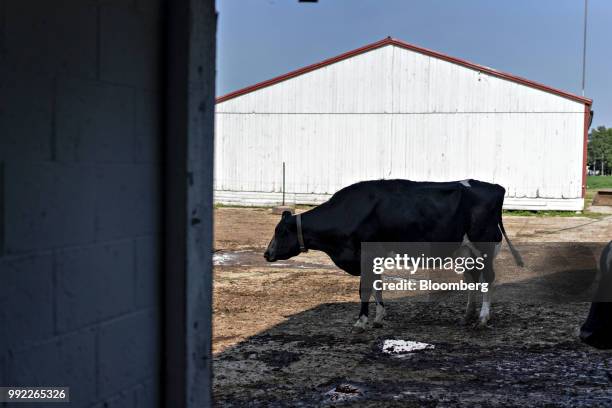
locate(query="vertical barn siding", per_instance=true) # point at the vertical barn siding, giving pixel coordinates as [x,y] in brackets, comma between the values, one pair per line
[396,113]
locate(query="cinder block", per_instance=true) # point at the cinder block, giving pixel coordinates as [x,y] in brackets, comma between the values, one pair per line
[148,137]
[130,44]
[66,361]
[3,375]
[129,202]
[2,29]
[126,399]
[95,122]
[129,352]
[148,272]
[153,7]
[52,36]
[26,301]
[50,205]
[94,284]
[147,395]
[26,115]
[2,211]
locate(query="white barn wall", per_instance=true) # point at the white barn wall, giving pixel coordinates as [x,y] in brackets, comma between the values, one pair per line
[396,113]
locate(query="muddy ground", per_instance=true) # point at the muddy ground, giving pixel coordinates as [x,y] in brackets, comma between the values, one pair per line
[282,331]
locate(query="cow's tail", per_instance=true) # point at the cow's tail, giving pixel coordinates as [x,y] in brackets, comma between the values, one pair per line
[515,254]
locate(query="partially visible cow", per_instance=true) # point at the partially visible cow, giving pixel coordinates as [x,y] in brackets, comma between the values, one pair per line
[468,211]
[597,330]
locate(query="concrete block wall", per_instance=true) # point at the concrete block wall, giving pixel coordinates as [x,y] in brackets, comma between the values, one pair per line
[80,205]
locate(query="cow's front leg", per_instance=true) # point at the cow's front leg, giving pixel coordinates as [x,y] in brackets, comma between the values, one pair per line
[365,292]
[362,322]
[381,312]
[470,309]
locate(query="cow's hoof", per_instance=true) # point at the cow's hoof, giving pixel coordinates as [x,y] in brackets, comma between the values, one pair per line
[468,318]
[360,325]
[481,325]
[358,329]
[381,312]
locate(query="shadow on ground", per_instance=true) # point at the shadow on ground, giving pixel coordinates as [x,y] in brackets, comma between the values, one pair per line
[529,356]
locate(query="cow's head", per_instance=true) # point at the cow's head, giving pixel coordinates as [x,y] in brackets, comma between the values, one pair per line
[284,243]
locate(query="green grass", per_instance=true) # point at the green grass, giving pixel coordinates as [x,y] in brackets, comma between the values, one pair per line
[597,182]
[528,213]
[587,200]
[539,213]
[593,184]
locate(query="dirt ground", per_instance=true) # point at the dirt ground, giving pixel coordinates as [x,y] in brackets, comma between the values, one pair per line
[282,331]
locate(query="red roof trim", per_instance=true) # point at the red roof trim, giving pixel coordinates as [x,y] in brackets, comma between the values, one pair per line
[402,44]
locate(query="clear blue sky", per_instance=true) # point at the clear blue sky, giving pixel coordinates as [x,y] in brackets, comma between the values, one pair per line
[539,40]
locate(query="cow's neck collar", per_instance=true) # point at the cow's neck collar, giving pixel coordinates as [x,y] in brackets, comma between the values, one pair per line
[300,234]
[310,225]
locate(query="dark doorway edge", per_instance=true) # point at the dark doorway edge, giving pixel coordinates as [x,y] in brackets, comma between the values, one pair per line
[189,147]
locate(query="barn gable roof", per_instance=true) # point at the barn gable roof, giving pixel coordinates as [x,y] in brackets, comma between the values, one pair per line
[405,45]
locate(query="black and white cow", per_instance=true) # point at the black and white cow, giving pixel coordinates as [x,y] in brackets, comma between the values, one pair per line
[468,211]
[597,330]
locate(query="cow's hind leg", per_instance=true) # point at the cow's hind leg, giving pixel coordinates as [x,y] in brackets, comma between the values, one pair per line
[470,307]
[485,309]
[488,277]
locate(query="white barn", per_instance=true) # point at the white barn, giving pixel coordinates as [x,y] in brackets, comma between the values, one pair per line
[394,110]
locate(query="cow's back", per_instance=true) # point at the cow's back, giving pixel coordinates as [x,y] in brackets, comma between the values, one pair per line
[409,211]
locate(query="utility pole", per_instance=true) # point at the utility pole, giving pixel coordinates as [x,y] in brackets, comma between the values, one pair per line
[283,184]
[584,44]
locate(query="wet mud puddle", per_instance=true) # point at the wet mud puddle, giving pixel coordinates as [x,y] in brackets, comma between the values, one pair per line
[252,257]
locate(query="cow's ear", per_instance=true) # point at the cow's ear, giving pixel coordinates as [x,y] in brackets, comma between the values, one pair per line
[286,215]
